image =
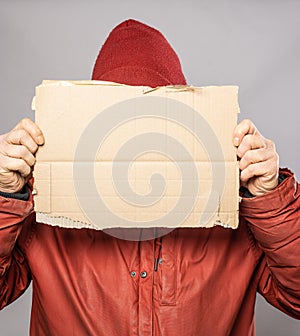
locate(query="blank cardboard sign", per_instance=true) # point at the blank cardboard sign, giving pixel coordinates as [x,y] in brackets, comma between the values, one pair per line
[133,156]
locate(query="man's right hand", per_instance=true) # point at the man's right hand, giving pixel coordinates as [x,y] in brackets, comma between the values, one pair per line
[17,155]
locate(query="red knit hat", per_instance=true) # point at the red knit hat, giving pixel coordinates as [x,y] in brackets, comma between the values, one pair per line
[136,54]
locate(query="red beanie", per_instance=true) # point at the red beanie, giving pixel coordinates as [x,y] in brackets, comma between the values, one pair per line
[136,54]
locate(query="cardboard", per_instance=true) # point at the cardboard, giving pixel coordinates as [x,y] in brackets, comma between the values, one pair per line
[132,156]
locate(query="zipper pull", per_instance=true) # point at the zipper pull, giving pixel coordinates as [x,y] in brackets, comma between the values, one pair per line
[156,264]
[157,249]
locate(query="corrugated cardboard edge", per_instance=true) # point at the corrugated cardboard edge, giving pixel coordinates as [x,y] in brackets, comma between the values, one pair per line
[64,222]
[68,223]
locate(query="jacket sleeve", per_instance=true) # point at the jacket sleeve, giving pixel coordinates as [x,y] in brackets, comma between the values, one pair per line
[274,219]
[15,274]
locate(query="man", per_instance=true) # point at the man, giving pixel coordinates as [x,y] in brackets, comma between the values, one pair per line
[87,282]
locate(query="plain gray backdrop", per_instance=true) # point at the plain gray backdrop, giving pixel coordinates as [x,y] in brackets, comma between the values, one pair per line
[252,44]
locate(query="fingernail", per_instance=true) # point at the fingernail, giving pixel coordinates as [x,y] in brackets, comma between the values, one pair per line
[40,139]
[236,141]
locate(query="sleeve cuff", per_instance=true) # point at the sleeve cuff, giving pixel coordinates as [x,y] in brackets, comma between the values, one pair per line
[273,201]
[247,194]
[22,195]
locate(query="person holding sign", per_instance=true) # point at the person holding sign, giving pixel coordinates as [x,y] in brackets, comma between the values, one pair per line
[188,282]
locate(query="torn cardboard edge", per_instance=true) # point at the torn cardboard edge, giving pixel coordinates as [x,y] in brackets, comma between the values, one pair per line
[62,220]
[66,222]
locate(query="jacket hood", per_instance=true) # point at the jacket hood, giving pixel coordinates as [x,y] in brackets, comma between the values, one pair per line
[136,54]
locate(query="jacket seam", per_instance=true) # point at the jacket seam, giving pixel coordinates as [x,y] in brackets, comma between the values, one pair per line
[30,234]
[253,243]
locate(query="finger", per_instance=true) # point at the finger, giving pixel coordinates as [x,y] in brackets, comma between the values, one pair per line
[258,169]
[243,128]
[19,152]
[254,156]
[18,165]
[31,128]
[250,142]
[21,137]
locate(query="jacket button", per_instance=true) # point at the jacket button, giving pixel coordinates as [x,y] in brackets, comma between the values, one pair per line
[133,274]
[143,274]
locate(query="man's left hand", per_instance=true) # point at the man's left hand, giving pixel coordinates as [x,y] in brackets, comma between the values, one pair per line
[259,161]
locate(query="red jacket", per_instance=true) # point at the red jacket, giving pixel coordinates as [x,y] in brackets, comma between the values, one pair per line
[83,280]
[86,282]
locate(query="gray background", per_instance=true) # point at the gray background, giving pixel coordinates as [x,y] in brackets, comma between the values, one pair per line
[253,44]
